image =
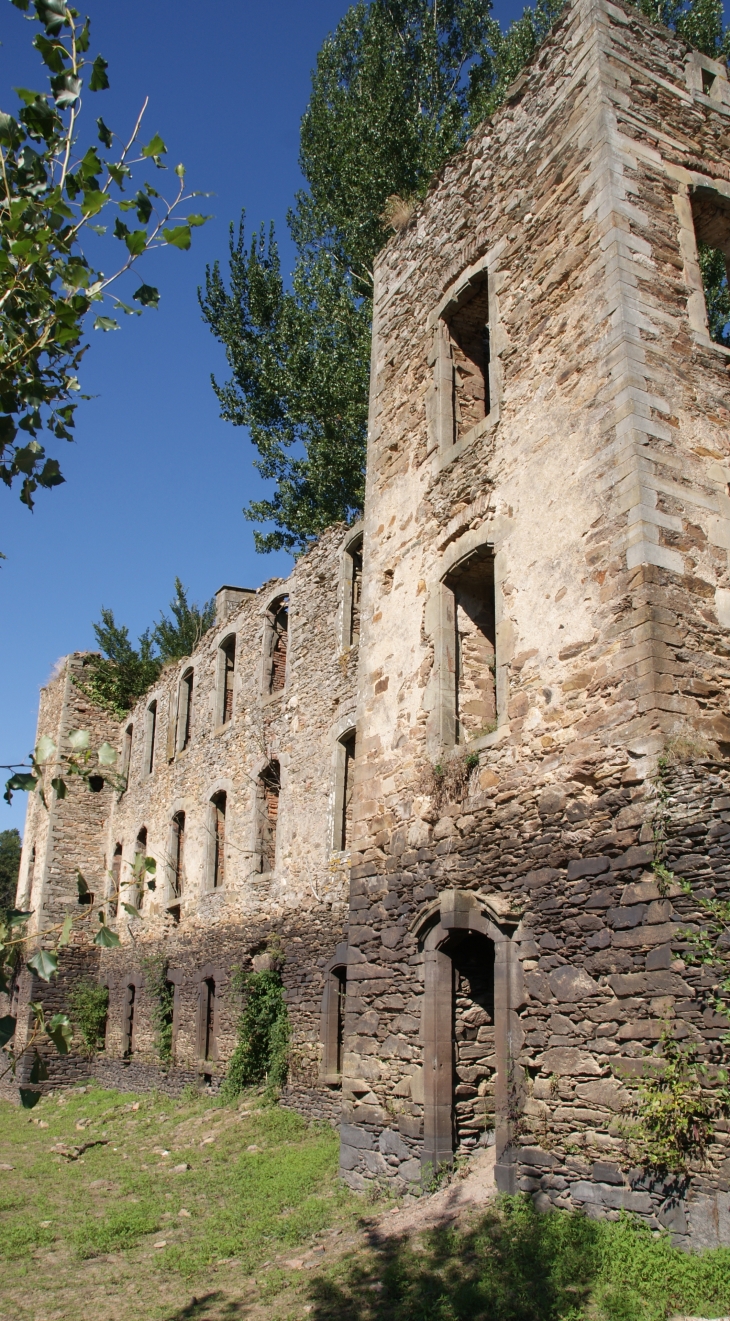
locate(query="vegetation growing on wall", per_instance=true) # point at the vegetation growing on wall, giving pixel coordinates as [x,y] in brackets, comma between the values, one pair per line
[397,89]
[88,1004]
[262,1053]
[161,995]
[123,673]
[10,846]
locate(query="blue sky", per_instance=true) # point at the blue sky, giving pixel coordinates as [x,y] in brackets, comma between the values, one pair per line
[155,482]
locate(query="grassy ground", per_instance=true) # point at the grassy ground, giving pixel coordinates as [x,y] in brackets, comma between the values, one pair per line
[256,1226]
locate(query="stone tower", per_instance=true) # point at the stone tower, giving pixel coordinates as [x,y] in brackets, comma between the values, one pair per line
[545,609]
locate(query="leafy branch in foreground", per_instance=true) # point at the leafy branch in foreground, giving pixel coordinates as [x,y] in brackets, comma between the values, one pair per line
[53,190]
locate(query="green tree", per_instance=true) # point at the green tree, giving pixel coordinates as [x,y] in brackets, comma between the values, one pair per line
[118,677]
[10,845]
[179,636]
[397,89]
[54,187]
[713,266]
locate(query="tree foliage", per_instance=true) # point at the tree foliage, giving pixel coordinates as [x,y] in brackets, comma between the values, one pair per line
[262,1053]
[10,846]
[88,1004]
[55,188]
[117,678]
[397,89]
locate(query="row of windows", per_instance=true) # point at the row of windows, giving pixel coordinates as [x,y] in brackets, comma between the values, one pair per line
[267,815]
[207,1015]
[276,640]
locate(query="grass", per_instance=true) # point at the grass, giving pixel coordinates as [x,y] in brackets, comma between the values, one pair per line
[258,1227]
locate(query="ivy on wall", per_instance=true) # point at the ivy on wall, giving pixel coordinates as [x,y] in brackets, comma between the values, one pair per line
[161,995]
[88,1005]
[262,1053]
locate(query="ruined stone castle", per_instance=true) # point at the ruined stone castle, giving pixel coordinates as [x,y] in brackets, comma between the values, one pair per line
[425,765]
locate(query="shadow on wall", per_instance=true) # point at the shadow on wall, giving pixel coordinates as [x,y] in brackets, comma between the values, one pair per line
[516,1264]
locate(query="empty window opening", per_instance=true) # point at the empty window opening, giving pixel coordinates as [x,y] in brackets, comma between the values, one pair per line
[343,794]
[474,654]
[178,855]
[228,650]
[185,711]
[469,335]
[711,214]
[708,79]
[218,804]
[355,554]
[332,1026]
[25,897]
[208,1020]
[130,996]
[472,956]
[340,990]
[115,878]
[151,735]
[140,852]
[168,1025]
[279,627]
[127,753]
[270,784]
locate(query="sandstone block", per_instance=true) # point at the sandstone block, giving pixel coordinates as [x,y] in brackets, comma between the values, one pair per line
[579,867]
[392,1144]
[352,1136]
[572,984]
[569,1060]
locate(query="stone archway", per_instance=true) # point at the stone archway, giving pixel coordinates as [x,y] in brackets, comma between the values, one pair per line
[471,986]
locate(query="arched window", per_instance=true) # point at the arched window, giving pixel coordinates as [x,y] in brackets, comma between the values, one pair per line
[218,840]
[140,850]
[127,754]
[185,710]
[268,814]
[278,641]
[226,675]
[151,735]
[343,790]
[332,1019]
[177,862]
[114,880]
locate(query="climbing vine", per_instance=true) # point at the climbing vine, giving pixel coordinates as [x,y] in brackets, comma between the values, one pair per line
[88,1004]
[161,995]
[677,1110]
[262,1053]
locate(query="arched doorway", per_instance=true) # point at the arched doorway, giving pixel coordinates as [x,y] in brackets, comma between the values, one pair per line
[470,986]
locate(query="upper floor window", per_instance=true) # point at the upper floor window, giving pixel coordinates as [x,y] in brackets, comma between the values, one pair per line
[353,592]
[115,880]
[467,369]
[185,710]
[472,643]
[218,840]
[268,814]
[177,860]
[227,671]
[140,852]
[343,790]
[278,639]
[711,216]
[151,735]
[127,753]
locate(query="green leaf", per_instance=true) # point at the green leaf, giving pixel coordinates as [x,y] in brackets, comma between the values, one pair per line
[85,895]
[105,134]
[144,207]
[106,323]
[197,219]
[148,295]
[79,739]
[107,754]
[93,201]
[59,785]
[150,866]
[133,912]
[66,89]
[7,1029]
[61,1033]
[22,781]
[179,236]
[66,929]
[136,241]
[39,1071]
[155,147]
[98,80]
[106,938]
[44,964]
[180,171]
[45,748]
[29,1098]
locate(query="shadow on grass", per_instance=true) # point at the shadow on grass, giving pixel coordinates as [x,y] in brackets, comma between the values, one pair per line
[199,1309]
[517,1265]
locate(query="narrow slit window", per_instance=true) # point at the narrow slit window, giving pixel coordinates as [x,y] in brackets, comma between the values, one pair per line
[355,553]
[474,647]
[127,754]
[270,785]
[470,351]
[185,711]
[711,214]
[151,736]
[218,804]
[279,617]
[115,879]
[332,1029]
[178,854]
[140,851]
[228,650]
[129,1019]
[345,769]
[208,1024]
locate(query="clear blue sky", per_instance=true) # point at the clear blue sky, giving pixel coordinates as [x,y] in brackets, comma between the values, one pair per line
[155,482]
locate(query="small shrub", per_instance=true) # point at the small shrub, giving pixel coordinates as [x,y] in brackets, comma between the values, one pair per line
[676,1112]
[262,1053]
[88,1005]
[162,995]
[447,781]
